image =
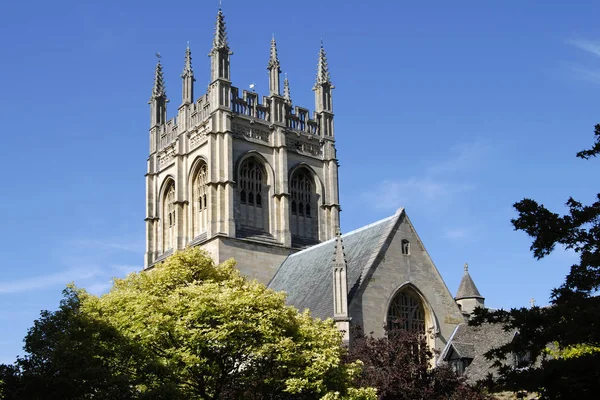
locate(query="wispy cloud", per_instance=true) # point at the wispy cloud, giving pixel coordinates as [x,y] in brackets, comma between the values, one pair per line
[49,280]
[586,73]
[590,46]
[439,183]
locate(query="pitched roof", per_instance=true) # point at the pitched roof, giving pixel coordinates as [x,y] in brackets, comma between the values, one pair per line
[307,277]
[473,342]
[467,288]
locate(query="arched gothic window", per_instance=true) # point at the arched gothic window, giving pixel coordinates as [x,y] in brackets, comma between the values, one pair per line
[406,312]
[200,199]
[303,210]
[169,218]
[253,192]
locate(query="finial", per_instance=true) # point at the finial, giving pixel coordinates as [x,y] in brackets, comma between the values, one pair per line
[220,4]
[187,66]
[158,90]
[273,59]
[286,89]
[339,257]
[466,267]
[323,68]
[220,39]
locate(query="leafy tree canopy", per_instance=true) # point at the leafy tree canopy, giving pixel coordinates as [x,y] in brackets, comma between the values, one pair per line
[399,366]
[187,329]
[562,339]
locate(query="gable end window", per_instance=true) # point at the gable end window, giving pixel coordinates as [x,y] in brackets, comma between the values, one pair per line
[405,247]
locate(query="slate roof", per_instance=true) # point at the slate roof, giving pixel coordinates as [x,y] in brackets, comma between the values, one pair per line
[307,277]
[467,288]
[473,342]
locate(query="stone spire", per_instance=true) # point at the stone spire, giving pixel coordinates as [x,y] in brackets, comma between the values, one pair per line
[220,39]
[286,90]
[273,59]
[187,76]
[274,70]
[158,100]
[220,52]
[158,90]
[323,68]
[323,102]
[340,288]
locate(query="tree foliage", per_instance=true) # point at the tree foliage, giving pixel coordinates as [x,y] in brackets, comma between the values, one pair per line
[399,366]
[572,323]
[187,329]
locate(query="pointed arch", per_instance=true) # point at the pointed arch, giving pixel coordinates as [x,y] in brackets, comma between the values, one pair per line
[253,195]
[305,189]
[409,309]
[168,215]
[199,197]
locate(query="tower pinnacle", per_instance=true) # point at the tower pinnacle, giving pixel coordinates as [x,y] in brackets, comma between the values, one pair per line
[158,90]
[274,70]
[323,68]
[273,59]
[187,66]
[187,76]
[286,90]
[220,39]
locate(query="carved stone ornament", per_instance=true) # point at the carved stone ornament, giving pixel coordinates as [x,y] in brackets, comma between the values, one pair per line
[198,136]
[250,132]
[304,147]
[166,156]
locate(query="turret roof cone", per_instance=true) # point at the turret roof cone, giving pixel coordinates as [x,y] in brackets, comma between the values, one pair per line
[467,288]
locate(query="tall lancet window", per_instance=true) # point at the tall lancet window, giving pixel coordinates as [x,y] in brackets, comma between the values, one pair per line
[303,208]
[407,312]
[200,198]
[169,221]
[253,196]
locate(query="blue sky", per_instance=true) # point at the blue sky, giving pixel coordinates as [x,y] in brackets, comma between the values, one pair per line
[454,110]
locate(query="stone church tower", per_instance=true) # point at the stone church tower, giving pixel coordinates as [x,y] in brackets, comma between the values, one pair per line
[240,177]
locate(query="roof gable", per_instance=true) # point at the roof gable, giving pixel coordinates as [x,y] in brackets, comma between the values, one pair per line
[306,276]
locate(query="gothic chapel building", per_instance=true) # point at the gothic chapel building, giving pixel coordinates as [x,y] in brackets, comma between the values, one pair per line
[257,180]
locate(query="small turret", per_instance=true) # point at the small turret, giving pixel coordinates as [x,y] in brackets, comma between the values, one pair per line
[467,296]
[187,76]
[340,289]
[158,100]
[274,70]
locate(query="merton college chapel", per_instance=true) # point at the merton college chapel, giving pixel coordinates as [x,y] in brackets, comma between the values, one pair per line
[256,179]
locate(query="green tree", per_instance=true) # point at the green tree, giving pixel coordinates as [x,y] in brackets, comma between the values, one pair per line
[572,321]
[69,356]
[189,329]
